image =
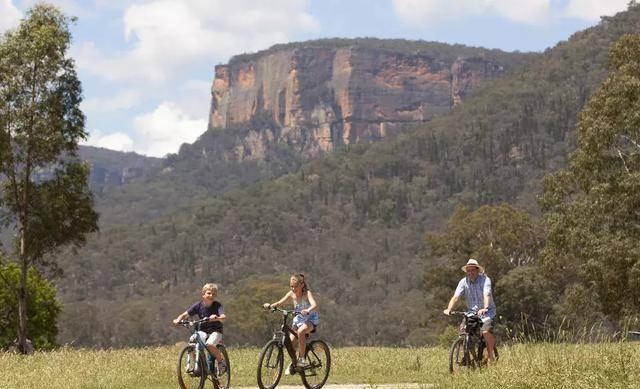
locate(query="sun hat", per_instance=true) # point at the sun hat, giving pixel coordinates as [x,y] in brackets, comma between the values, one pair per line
[472,262]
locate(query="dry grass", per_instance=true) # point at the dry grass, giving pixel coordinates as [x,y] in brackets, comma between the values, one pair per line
[602,365]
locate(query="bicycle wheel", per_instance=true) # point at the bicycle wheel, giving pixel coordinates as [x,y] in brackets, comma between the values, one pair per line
[319,359]
[270,364]
[222,380]
[458,358]
[189,374]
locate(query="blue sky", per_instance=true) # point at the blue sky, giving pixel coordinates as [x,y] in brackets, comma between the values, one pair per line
[147,66]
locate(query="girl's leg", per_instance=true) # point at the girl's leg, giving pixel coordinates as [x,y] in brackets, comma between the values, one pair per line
[302,331]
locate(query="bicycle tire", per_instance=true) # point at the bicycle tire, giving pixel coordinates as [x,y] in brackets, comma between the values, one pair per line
[457,357]
[270,364]
[318,356]
[222,381]
[188,380]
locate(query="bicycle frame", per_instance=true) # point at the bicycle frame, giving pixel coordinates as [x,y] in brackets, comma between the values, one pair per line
[200,345]
[472,340]
[283,335]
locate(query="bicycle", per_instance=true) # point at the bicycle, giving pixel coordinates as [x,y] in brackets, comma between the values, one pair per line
[470,349]
[193,368]
[271,359]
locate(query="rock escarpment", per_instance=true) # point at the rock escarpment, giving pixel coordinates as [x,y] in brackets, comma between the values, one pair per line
[316,99]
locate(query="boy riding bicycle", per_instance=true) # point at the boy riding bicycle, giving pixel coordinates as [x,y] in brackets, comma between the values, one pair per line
[211,332]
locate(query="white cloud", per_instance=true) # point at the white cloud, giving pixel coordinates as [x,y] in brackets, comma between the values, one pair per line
[424,12]
[593,9]
[115,141]
[165,129]
[9,15]
[169,36]
[123,100]
[420,12]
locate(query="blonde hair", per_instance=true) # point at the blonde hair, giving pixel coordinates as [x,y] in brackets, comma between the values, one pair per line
[299,277]
[210,286]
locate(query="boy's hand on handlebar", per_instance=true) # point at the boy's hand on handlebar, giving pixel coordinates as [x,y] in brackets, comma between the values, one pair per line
[175,322]
[213,317]
[266,306]
[446,311]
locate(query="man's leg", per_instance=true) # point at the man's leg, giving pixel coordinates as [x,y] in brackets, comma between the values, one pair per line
[490,341]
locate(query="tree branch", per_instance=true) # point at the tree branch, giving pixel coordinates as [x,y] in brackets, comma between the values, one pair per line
[623,161]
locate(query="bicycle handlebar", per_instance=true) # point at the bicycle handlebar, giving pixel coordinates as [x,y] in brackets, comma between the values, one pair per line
[189,323]
[283,311]
[462,313]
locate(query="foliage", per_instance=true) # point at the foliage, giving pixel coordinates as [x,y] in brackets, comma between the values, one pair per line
[41,297]
[591,206]
[248,323]
[40,125]
[443,51]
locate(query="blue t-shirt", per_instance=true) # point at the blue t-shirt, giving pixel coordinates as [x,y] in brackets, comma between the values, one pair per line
[203,311]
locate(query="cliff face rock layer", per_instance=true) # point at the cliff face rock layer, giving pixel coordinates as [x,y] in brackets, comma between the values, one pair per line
[317,99]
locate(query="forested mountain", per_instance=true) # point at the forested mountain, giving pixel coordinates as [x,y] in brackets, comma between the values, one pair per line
[274,110]
[354,220]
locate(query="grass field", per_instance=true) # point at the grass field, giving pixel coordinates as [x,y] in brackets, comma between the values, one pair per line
[603,365]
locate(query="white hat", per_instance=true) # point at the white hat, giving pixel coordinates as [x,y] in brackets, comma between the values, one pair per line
[472,262]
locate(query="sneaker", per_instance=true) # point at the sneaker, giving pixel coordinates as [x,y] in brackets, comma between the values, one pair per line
[302,363]
[289,370]
[222,368]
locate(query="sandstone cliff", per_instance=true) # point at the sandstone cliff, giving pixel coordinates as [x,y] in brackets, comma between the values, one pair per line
[317,98]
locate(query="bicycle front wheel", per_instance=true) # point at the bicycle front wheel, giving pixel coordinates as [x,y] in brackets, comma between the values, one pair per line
[270,364]
[319,358]
[458,358]
[222,377]
[191,375]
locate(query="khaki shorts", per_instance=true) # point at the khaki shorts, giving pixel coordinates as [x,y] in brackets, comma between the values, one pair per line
[213,339]
[487,324]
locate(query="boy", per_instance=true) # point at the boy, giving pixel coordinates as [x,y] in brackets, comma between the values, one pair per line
[210,332]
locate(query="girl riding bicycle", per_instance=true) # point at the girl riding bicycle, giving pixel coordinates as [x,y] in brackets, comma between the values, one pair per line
[306,320]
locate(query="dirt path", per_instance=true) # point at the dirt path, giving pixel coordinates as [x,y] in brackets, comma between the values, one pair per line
[356,386]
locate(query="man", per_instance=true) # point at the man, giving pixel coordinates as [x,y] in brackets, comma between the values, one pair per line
[476,288]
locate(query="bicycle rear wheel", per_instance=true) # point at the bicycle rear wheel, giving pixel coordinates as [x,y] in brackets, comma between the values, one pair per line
[222,380]
[270,364]
[190,374]
[319,359]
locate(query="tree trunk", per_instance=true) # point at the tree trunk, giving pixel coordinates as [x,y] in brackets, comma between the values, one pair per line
[22,305]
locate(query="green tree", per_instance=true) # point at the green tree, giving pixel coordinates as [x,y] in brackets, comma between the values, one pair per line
[249,321]
[591,207]
[42,300]
[44,192]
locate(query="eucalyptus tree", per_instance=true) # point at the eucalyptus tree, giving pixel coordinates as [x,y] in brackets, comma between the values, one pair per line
[592,208]
[44,194]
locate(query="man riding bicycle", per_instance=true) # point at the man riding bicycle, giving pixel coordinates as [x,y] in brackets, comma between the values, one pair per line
[476,288]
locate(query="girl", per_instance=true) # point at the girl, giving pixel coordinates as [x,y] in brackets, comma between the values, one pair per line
[306,321]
